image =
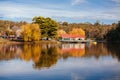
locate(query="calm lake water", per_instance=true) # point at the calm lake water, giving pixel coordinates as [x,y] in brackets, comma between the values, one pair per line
[59,62]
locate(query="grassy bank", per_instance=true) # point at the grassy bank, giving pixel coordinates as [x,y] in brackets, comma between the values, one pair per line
[3,40]
[34,42]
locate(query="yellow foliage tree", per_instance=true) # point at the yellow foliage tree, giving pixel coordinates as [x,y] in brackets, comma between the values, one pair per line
[35,32]
[31,32]
[77,31]
[27,32]
[60,32]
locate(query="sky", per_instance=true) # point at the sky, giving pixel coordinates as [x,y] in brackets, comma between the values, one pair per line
[72,11]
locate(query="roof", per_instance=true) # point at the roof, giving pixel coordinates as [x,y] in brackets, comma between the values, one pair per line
[72,36]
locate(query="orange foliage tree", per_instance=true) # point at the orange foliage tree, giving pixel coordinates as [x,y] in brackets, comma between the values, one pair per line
[60,32]
[77,31]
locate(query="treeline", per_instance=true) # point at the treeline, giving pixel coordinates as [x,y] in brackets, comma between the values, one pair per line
[41,27]
[4,24]
[95,31]
[114,34]
[49,28]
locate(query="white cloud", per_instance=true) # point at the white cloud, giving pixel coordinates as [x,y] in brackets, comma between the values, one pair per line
[13,10]
[117,1]
[76,2]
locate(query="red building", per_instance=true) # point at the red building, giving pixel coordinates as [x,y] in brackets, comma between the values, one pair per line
[70,37]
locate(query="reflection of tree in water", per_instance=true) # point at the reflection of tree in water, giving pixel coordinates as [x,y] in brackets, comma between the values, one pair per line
[103,49]
[9,51]
[31,52]
[96,51]
[114,49]
[42,55]
[49,57]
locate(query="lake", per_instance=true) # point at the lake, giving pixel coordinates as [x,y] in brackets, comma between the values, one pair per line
[67,61]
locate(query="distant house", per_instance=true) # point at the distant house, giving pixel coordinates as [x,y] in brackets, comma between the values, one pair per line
[70,37]
[17,32]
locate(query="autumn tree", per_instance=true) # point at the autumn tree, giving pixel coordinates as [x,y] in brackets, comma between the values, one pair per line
[4,24]
[35,32]
[27,32]
[31,32]
[94,31]
[48,26]
[77,31]
[60,32]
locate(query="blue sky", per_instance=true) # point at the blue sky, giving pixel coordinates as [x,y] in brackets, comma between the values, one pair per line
[73,11]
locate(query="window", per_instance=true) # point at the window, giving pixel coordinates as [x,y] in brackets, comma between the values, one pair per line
[66,38]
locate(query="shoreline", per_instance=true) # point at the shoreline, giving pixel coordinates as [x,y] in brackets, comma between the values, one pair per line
[34,42]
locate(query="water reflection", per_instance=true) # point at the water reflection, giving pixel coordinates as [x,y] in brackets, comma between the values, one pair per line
[72,50]
[114,49]
[47,55]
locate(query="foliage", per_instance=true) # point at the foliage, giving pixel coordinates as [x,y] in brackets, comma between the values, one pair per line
[114,34]
[77,31]
[60,32]
[65,23]
[49,28]
[31,32]
[47,25]
[35,32]
[95,31]
[4,24]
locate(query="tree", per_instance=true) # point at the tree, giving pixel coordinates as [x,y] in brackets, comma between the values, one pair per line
[97,23]
[35,32]
[31,32]
[60,32]
[114,34]
[48,26]
[27,32]
[77,31]
[65,23]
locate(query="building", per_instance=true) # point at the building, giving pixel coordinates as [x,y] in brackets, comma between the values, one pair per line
[71,38]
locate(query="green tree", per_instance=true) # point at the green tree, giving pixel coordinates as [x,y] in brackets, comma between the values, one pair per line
[48,26]
[114,34]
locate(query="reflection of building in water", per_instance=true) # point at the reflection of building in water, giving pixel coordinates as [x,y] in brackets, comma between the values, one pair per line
[74,50]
